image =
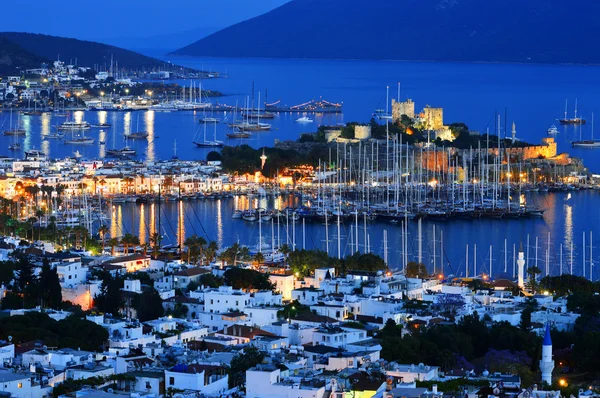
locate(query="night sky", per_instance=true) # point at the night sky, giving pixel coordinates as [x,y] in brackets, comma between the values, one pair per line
[110,19]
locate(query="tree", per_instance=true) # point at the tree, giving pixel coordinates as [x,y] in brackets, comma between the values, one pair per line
[247,279]
[213,156]
[149,306]
[113,243]
[532,283]
[364,262]
[240,363]
[103,230]
[110,298]
[259,258]
[49,288]
[416,270]
[211,251]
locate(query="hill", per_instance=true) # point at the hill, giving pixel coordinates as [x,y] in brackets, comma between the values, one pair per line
[546,31]
[13,57]
[87,53]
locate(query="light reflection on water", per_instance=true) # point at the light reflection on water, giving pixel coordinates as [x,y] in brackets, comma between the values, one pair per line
[212,220]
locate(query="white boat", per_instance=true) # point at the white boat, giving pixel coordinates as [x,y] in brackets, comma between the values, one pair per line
[73,126]
[34,153]
[164,107]
[208,143]
[14,147]
[79,140]
[304,119]
[55,135]
[553,130]
[237,214]
[210,120]
[125,151]
[15,130]
[587,143]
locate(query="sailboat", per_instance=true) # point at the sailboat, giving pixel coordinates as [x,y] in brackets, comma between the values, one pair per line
[79,139]
[174,157]
[209,144]
[247,125]
[379,112]
[15,130]
[587,143]
[120,152]
[137,135]
[574,119]
[16,145]
[34,112]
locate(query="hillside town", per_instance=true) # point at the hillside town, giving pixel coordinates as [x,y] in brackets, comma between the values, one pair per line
[200,325]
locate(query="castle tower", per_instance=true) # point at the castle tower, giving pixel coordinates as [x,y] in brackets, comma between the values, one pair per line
[514,133]
[521,267]
[546,363]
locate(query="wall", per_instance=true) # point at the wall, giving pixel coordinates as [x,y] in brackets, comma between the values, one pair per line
[402,108]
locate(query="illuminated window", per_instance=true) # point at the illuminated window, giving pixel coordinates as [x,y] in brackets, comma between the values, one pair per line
[20,385]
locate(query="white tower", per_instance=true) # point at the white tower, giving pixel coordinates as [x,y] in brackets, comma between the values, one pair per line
[521,269]
[514,133]
[546,363]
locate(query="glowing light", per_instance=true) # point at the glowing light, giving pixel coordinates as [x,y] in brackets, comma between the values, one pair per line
[562,383]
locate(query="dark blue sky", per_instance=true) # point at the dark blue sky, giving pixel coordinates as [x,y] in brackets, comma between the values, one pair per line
[106,19]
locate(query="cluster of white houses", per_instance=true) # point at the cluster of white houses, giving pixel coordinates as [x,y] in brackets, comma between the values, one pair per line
[317,353]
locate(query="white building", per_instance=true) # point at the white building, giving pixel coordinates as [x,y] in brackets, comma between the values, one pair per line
[207,379]
[225,299]
[19,385]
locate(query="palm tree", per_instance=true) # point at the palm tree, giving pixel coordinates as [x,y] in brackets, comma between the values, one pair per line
[201,244]
[39,214]
[113,243]
[52,226]
[259,258]
[285,250]
[155,240]
[60,189]
[103,230]
[191,243]
[211,251]
[127,240]
[244,253]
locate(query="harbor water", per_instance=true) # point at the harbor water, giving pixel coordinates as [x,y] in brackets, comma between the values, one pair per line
[533,96]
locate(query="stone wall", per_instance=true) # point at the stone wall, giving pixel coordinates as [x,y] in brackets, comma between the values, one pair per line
[402,108]
[433,118]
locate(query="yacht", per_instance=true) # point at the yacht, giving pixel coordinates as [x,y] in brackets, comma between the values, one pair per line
[164,107]
[586,144]
[249,126]
[238,134]
[55,135]
[73,126]
[125,151]
[137,135]
[210,120]
[14,147]
[553,130]
[304,119]
[79,140]
[34,153]
[102,125]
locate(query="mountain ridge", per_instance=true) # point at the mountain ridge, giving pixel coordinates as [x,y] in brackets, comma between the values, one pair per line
[425,30]
[87,53]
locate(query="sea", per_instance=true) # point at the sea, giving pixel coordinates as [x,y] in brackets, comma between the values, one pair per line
[531,96]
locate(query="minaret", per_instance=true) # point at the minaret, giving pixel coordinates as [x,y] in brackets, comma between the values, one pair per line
[546,363]
[514,133]
[521,265]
